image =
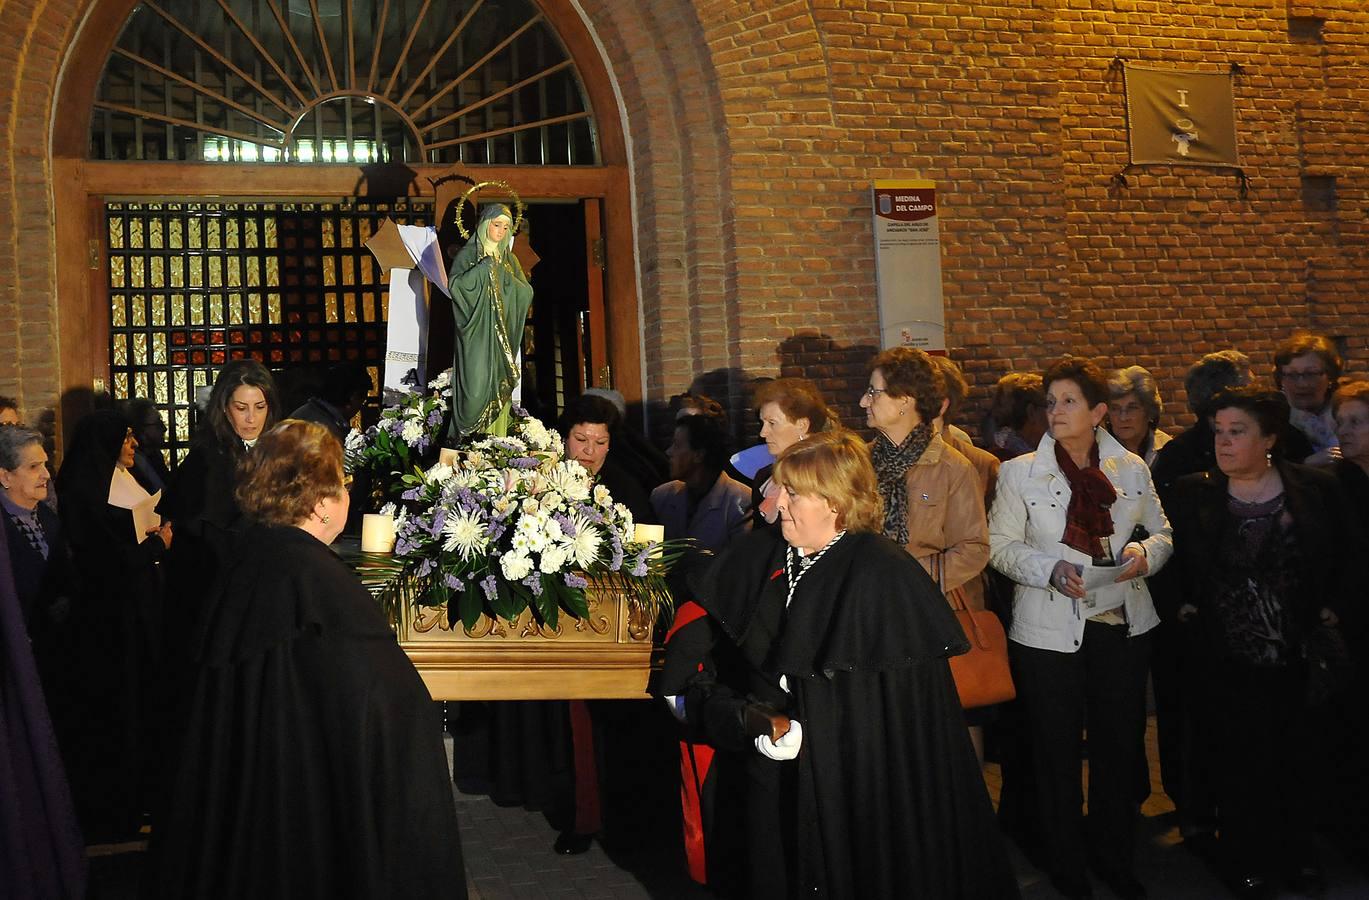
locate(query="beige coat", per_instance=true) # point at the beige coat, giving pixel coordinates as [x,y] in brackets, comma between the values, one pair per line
[946,516]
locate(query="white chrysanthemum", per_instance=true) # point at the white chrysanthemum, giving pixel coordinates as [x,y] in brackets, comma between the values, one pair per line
[538,436]
[583,546]
[534,527]
[553,530]
[438,474]
[441,381]
[356,441]
[553,559]
[389,509]
[465,535]
[521,541]
[570,479]
[412,432]
[517,565]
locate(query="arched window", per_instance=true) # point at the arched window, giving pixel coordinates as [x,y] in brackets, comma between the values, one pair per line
[342,81]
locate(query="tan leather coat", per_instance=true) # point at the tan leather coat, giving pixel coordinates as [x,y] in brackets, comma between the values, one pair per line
[946,516]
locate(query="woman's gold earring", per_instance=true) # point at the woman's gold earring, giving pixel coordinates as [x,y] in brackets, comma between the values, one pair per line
[1268,459]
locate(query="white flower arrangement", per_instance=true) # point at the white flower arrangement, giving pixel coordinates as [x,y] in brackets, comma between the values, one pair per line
[513,525]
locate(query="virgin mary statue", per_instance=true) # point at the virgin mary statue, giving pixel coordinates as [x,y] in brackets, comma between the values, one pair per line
[491,297]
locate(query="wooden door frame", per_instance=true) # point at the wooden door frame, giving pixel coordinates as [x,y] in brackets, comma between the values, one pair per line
[80,187]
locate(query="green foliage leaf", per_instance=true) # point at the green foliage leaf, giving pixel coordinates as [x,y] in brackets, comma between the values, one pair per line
[471,605]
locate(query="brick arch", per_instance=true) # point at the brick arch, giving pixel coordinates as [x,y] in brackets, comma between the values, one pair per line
[37,34]
[680,162]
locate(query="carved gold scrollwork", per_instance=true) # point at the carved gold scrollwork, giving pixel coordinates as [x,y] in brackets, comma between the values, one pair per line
[638,623]
[426,618]
[483,626]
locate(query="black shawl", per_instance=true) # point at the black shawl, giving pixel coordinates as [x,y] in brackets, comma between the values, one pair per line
[886,795]
[312,764]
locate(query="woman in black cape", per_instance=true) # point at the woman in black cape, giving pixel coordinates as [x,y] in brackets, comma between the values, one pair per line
[831,677]
[113,699]
[312,765]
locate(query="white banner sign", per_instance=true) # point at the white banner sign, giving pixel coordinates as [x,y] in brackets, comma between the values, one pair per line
[908,265]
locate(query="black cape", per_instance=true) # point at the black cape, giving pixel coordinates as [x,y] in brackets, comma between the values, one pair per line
[312,764]
[886,798]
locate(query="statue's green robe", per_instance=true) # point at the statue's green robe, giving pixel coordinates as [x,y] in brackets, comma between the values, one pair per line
[490,298]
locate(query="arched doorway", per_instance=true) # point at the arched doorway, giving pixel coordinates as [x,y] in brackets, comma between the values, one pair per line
[220,165]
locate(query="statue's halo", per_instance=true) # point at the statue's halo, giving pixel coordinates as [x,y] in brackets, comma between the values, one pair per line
[466,198]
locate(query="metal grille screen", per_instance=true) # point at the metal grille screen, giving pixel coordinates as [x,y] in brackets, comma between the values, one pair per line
[193,285]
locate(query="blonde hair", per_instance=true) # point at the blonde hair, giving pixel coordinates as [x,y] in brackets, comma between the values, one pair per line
[834,465]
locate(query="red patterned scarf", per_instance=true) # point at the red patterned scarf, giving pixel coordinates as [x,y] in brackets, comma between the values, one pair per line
[1088,524]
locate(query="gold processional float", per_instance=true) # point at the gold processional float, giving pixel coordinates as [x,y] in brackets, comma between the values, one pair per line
[505,572]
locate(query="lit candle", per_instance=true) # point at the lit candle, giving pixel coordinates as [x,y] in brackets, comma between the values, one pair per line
[649,534]
[377,533]
[447,457]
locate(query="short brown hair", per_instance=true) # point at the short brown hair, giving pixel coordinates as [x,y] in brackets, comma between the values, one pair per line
[1013,398]
[1301,344]
[909,372]
[1086,373]
[1351,390]
[292,467]
[1268,408]
[797,398]
[957,389]
[834,465]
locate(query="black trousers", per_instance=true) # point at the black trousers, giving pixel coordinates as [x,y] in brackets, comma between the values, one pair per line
[1102,686]
[1268,745]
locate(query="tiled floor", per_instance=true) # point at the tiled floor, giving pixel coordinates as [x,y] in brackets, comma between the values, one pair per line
[509,857]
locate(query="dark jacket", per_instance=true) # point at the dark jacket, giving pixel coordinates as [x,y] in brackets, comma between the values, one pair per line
[1330,542]
[312,764]
[202,488]
[885,798]
[44,585]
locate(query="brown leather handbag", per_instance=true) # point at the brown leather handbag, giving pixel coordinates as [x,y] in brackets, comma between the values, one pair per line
[982,676]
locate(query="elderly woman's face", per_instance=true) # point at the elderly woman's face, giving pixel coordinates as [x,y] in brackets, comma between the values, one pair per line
[247,411]
[1068,413]
[1305,382]
[334,509]
[807,521]
[1240,444]
[26,485]
[883,411]
[778,432]
[1128,418]
[587,444]
[1352,427]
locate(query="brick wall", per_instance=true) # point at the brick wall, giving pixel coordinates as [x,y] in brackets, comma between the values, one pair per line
[756,128]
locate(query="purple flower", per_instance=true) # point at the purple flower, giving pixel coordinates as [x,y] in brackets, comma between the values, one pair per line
[489,585]
[519,411]
[575,581]
[616,562]
[525,462]
[639,565]
[567,526]
[423,444]
[453,582]
[435,417]
[426,567]
[534,583]
[411,494]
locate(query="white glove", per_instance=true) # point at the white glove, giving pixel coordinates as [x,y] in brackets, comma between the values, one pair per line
[787,747]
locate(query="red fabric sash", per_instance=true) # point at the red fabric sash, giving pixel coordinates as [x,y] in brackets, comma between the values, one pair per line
[1088,523]
[694,768]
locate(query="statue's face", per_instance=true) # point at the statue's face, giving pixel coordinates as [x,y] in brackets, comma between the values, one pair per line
[498,229]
